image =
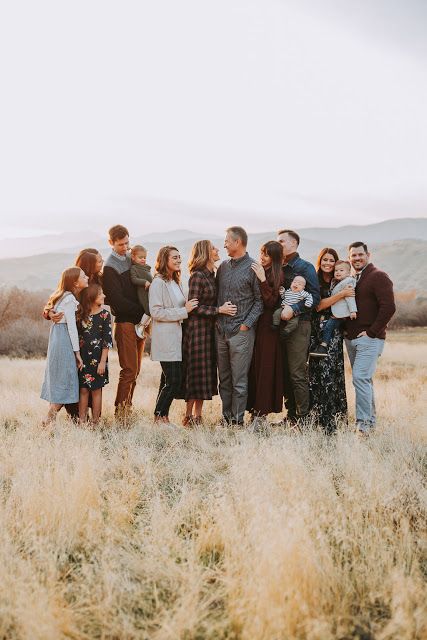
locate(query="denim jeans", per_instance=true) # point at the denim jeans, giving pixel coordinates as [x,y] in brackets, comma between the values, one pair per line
[363,353]
[329,327]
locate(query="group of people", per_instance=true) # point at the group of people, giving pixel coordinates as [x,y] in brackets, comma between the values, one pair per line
[262,333]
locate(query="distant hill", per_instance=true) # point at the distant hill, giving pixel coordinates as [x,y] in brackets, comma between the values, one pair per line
[54,243]
[403,260]
[71,242]
[379,233]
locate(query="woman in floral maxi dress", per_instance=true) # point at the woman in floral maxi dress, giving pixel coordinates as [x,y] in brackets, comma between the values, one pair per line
[326,375]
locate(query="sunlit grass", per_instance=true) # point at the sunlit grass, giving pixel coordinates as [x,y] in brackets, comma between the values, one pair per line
[147,532]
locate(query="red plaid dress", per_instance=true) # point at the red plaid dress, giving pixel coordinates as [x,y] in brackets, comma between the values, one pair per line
[198,347]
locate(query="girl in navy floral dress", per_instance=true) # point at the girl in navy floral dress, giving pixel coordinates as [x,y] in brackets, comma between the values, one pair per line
[94,325]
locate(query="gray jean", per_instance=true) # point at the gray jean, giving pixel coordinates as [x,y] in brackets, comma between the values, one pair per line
[363,353]
[234,355]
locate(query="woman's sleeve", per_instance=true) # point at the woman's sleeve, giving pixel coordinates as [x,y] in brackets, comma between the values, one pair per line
[70,318]
[107,338]
[196,285]
[270,296]
[157,309]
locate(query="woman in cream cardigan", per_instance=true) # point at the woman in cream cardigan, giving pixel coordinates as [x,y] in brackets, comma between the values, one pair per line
[168,308]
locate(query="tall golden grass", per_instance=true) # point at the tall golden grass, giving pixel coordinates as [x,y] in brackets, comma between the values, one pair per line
[156,533]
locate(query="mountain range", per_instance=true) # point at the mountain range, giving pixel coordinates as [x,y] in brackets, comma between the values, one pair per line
[397,246]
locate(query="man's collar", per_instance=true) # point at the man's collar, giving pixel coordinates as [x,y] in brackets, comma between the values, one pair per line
[118,256]
[359,273]
[237,260]
[290,259]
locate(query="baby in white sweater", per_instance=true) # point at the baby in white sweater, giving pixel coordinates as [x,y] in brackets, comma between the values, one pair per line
[344,308]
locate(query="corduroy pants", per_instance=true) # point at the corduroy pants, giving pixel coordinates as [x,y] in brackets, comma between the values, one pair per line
[130,349]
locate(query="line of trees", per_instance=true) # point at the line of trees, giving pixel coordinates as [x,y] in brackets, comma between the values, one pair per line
[24,332]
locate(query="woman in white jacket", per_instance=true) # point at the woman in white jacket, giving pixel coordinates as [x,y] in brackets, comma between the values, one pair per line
[168,308]
[61,383]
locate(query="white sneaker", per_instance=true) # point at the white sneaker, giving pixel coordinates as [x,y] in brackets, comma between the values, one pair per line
[145,320]
[140,330]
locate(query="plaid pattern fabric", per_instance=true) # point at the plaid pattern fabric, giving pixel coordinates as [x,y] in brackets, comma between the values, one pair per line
[198,348]
[238,283]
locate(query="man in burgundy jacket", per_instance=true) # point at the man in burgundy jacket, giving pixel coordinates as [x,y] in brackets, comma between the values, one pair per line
[365,335]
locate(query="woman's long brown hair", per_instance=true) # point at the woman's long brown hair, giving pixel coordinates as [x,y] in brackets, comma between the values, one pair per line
[87,260]
[274,250]
[161,266]
[87,250]
[323,252]
[200,255]
[87,299]
[67,282]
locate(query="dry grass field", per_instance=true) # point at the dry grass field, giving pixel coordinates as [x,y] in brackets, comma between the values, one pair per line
[168,534]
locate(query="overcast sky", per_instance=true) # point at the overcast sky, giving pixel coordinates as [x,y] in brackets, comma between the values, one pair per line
[164,114]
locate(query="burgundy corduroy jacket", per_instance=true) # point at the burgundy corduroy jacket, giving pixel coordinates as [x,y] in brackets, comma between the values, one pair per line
[375,304]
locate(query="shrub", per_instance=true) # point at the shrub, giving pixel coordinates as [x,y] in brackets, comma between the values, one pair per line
[410,314]
[23,331]
[25,338]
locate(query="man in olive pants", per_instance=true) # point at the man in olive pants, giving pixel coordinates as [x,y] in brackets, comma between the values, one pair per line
[235,335]
[295,345]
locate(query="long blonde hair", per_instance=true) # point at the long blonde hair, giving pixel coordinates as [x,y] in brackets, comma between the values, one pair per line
[161,266]
[200,255]
[67,282]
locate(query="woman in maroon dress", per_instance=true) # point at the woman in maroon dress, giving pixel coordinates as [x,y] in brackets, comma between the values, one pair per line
[266,374]
[198,347]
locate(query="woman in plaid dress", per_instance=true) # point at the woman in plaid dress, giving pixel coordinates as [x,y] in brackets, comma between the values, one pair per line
[199,358]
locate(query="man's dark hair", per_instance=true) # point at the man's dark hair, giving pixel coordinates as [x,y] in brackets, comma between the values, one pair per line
[291,233]
[239,232]
[356,244]
[118,232]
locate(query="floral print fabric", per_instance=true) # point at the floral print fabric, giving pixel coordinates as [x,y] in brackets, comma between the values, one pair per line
[326,375]
[94,336]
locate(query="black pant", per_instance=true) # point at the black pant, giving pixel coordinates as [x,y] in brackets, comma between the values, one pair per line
[170,387]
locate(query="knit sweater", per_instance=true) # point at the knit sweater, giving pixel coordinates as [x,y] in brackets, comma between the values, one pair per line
[139,275]
[120,293]
[375,304]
